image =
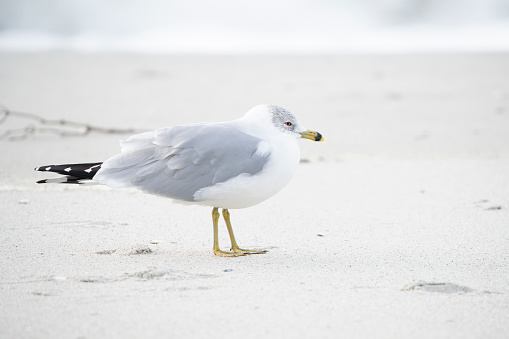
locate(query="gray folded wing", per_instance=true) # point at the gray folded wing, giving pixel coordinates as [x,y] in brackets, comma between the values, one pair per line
[178,161]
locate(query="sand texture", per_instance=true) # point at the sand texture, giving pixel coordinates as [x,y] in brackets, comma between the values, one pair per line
[396,227]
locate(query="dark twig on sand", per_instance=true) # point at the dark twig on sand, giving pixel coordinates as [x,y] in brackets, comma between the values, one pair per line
[63,128]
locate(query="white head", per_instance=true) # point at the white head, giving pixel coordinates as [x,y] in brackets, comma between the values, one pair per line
[274,117]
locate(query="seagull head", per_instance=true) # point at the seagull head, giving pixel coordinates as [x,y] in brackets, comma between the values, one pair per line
[281,119]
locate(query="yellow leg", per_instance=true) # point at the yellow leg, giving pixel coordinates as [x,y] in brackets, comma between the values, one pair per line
[215,248]
[235,248]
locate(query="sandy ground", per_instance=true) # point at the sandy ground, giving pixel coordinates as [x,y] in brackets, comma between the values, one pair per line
[397,226]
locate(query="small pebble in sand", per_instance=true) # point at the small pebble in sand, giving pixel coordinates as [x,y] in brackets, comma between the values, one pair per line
[106,252]
[89,279]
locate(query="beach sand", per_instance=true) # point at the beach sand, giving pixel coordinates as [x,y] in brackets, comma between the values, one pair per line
[396,227]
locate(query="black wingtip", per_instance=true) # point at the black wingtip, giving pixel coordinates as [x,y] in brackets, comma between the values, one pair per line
[82,171]
[46,168]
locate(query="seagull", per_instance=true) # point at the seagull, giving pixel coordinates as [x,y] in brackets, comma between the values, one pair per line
[228,165]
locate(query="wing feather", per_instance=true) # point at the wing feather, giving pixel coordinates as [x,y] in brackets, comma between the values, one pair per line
[178,161]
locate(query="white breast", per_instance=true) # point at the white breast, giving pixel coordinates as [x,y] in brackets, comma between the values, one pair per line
[247,190]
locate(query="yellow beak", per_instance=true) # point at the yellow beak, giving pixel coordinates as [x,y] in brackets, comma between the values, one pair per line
[312,135]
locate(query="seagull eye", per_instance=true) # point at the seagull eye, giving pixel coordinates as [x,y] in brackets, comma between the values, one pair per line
[288,123]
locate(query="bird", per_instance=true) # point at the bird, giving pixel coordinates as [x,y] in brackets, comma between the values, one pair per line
[224,165]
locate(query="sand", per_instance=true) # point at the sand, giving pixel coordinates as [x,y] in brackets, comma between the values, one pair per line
[397,226]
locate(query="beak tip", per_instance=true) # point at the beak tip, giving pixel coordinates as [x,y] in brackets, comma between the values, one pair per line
[312,135]
[319,137]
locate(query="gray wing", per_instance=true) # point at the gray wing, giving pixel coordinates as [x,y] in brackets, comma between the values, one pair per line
[178,161]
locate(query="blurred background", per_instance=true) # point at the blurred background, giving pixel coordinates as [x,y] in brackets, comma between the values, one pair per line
[379,78]
[237,27]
